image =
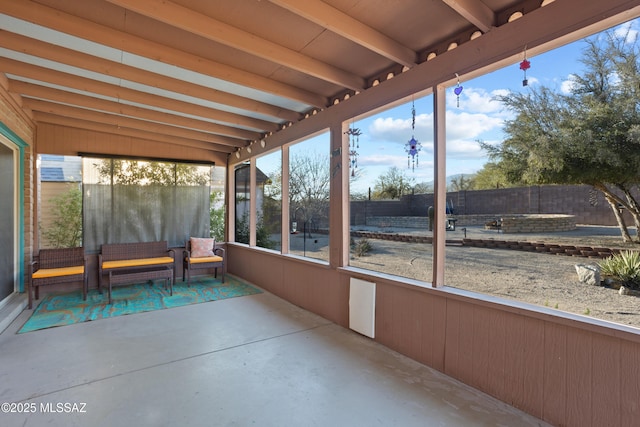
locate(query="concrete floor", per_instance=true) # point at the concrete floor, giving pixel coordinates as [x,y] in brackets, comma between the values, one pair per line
[248,361]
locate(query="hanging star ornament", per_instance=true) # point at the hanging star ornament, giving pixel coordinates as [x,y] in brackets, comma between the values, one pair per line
[413,147]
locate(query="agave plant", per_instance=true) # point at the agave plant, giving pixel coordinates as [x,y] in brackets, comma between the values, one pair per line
[362,247]
[624,268]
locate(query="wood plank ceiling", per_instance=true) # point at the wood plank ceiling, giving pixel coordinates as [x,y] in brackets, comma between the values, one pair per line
[222,73]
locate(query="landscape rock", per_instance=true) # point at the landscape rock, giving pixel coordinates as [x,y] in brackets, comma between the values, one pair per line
[626,291]
[589,274]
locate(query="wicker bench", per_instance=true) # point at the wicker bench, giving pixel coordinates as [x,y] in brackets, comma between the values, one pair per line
[135,262]
[55,266]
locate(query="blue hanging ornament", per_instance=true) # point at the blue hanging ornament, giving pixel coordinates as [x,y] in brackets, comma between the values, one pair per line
[354,144]
[458,91]
[413,147]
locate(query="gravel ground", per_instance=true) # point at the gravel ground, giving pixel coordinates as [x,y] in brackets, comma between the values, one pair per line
[537,278]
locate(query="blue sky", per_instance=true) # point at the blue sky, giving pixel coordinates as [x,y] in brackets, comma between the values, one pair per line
[478,117]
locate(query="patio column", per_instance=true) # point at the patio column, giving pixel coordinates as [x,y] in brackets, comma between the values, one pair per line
[440,184]
[339,196]
[253,217]
[285,214]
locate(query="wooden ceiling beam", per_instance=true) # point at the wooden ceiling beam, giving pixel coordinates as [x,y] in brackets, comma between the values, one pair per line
[475,12]
[55,19]
[70,122]
[83,84]
[121,121]
[64,97]
[81,60]
[350,28]
[189,20]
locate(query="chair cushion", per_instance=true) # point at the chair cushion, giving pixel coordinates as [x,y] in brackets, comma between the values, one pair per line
[202,247]
[199,260]
[45,273]
[137,262]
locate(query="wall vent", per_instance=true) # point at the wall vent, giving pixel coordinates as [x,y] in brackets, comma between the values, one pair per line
[362,307]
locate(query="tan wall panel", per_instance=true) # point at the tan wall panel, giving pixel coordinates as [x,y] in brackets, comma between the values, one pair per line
[430,312]
[56,139]
[465,343]
[480,347]
[496,354]
[533,366]
[554,378]
[565,371]
[630,387]
[313,287]
[514,361]
[606,403]
[579,378]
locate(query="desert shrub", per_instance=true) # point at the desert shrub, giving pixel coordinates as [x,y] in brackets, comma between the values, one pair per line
[362,247]
[623,267]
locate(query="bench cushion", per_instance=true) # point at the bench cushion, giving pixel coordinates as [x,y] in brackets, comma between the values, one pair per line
[45,273]
[205,259]
[136,262]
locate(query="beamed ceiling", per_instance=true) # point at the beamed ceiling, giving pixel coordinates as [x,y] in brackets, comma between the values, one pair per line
[222,74]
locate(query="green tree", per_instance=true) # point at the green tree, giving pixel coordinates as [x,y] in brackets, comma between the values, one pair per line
[423,188]
[137,172]
[262,234]
[461,182]
[491,176]
[309,186]
[392,185]
[65,230]
[216,215]
[591,136]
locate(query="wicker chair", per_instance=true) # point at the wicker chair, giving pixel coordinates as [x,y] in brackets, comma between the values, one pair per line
[192,263]
[54,266]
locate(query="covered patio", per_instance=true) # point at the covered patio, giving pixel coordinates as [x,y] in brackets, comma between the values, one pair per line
[224,83]
[253,360]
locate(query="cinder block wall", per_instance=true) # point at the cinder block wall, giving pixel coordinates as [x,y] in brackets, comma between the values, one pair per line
[581,201]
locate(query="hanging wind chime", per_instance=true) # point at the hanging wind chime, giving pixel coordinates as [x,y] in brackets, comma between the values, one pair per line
[458,91]
[524,66]
[354,145]
[413,147]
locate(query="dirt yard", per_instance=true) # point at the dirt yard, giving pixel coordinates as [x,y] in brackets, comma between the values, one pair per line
[538,278]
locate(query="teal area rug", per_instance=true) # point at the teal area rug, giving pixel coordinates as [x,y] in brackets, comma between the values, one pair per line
[66,309]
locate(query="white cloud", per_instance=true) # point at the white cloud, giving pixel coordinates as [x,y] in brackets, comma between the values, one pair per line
[567,85]
[396,132]
[463,131]
[627,32]
[464,149]
[476,100]
[471,126]
[387,160]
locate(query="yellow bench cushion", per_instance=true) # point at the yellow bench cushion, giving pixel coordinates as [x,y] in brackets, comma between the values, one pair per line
[206,259]
[45,273]
[137,262]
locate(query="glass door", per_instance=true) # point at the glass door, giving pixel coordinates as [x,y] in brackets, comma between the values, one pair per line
[8,219]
